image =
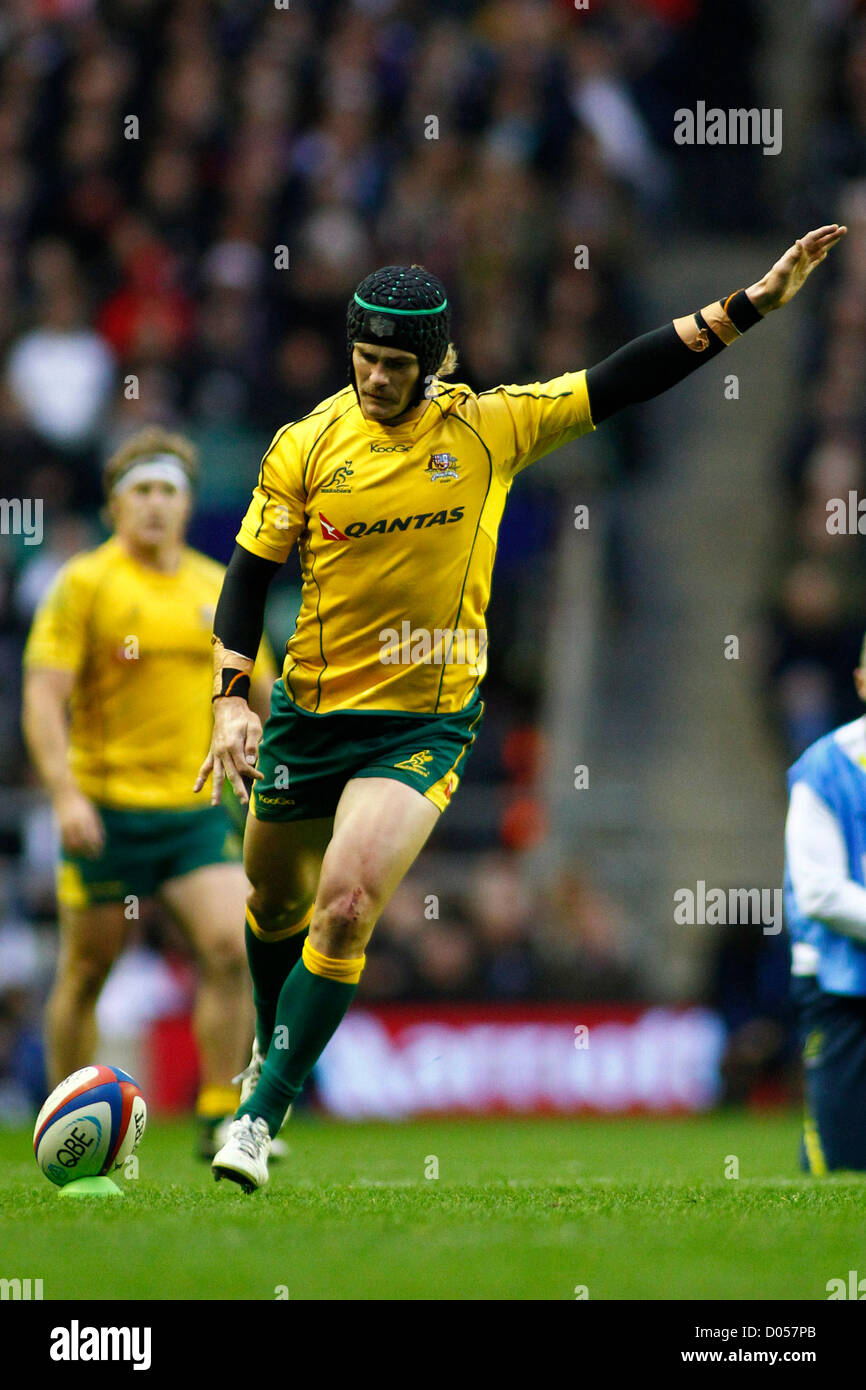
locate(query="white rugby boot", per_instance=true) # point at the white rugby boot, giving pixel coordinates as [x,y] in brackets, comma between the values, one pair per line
[249,1077]
[249,1080]
[243,1158]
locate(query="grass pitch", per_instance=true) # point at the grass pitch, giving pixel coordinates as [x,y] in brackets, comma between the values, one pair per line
[521,1209]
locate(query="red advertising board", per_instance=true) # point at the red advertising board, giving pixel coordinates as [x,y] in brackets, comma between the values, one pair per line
[398,1061]
[395,1062]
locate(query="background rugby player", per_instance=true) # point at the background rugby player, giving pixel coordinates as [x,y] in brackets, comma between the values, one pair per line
[117,676]
[393,489]
[825,913]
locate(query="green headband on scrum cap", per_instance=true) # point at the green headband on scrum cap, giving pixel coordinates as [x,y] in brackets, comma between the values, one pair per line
[386,309]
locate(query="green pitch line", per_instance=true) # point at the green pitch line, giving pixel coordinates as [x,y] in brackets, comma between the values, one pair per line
[630,1209]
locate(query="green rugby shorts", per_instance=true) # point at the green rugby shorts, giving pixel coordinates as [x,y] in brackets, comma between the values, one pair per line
[307,759]
[143,849]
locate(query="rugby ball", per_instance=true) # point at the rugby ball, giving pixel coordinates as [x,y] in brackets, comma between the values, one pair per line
[89,1125]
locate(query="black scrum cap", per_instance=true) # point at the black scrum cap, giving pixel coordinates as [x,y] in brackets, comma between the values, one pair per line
[405,307]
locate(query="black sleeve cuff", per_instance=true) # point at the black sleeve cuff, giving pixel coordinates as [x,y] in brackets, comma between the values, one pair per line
[741,311]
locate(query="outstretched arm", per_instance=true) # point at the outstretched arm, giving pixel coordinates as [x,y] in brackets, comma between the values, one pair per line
[656,361]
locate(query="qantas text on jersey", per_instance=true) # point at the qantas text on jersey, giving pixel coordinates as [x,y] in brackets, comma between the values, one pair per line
[398,523]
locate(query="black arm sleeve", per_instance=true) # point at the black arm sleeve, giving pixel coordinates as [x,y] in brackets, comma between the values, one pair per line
[644,368]
[240,612]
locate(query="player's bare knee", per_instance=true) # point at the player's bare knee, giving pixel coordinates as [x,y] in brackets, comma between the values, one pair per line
[265,907]
[344,922]
[224,955]
[275,914]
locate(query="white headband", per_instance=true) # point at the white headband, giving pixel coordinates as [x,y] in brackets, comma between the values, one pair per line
[162,468]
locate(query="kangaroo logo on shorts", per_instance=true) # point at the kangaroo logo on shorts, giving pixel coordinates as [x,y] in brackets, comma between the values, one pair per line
[416,762]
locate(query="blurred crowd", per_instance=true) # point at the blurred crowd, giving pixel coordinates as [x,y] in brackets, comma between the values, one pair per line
[191,191]
[818,620]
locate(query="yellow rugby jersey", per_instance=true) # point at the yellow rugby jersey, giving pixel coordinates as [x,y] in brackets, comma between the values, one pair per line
[396,528]
[138,642]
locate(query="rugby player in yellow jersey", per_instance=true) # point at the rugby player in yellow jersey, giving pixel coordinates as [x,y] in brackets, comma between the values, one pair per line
[393,490]
[117,676]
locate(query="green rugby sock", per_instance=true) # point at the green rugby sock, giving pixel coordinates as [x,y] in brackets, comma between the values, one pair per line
[270,962]
[310,1009]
